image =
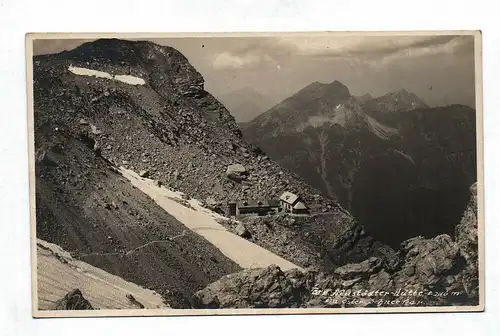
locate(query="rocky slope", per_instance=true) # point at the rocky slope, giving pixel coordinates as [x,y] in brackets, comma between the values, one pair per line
[392,173]
[169,126]
[322,241]
[429,272]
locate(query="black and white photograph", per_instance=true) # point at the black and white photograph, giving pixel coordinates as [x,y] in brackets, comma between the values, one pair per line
[255,173]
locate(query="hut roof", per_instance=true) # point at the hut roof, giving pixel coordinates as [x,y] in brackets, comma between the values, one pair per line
[300,206]
[289,197]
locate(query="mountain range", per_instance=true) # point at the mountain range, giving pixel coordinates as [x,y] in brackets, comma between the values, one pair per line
[389,160]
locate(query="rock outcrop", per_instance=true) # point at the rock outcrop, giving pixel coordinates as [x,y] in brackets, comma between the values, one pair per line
[466,236]
[428,272]
[256,288]
[236,172]
[74,300]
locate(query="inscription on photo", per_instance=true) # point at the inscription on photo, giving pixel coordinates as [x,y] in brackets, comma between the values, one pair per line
[377,298]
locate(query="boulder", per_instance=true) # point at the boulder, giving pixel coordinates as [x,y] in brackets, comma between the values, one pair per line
[74,300]
[95,130]
[362,269]
[428,260]
[242,231]
[237,172]
[134,301]
[211,202]
[380,281]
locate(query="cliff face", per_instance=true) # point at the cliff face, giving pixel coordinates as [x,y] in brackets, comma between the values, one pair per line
[466,236]
[419,185]
[428,272]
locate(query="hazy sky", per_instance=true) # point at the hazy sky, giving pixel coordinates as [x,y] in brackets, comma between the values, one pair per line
[280,66]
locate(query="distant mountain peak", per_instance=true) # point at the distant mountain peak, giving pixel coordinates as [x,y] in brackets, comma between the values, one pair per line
[364,98]
[334,90]
[403,92]
[397,101]
[317,84]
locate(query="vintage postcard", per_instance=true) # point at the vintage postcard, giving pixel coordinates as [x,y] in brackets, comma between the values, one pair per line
[256,173]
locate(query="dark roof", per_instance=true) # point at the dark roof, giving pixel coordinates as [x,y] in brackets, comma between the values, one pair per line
[256,204]
[274,202]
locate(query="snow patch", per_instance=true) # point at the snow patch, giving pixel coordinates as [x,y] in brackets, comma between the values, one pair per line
[318,121]
[89,72]
[128,79]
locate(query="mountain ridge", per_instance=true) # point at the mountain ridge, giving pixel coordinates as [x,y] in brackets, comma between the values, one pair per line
[392,102]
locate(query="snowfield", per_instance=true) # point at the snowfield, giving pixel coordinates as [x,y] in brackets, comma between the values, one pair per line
[128,79]
[203,222]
